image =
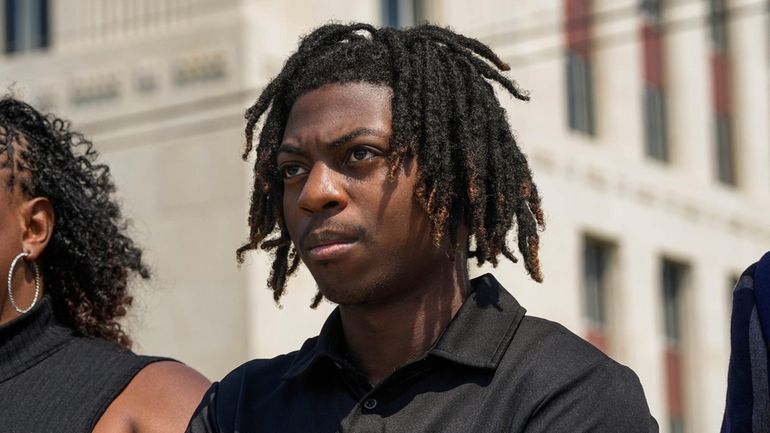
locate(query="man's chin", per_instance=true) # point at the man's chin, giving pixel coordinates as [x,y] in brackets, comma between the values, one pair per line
[346,291]
[345,295]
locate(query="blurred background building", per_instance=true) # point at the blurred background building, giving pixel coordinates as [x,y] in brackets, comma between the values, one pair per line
[648,133]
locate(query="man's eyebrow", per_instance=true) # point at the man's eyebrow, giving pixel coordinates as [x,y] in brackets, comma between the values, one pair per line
[288,148]
[339,141]
[356,133]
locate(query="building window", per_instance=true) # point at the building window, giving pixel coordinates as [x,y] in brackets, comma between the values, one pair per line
[655,128]
[652,8]
[580,98]
[718,23]
[403,13]
[724,148]
[655,124]
[579,94]
[26,25]
[673,281]
[597,256]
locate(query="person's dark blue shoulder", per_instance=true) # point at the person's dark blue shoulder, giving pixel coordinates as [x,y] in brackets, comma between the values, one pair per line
[252,381]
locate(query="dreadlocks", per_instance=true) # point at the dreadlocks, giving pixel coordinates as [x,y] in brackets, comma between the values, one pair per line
[89,259]
[445,113]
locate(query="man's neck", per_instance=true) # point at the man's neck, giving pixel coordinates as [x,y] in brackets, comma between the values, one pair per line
[383,337]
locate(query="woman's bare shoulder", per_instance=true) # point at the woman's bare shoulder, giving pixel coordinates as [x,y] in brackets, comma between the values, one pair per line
[160,398]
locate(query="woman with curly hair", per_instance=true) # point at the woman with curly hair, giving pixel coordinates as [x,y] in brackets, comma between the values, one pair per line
[65,362]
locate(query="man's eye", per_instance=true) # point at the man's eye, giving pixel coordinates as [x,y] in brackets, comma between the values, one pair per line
[289,171]
[361,154]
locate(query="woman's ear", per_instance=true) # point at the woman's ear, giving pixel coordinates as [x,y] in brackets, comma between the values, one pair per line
[38,221]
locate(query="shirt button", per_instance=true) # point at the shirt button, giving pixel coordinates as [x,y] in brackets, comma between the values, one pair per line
[370,403]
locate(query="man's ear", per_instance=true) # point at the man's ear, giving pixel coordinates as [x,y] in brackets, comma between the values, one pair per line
[38,221]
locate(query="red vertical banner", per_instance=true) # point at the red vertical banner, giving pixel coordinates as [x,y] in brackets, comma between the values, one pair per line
[720,82]
[578,26]
[674,391]
[652,53]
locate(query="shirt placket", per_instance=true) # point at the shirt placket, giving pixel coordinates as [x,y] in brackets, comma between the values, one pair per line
[365,416]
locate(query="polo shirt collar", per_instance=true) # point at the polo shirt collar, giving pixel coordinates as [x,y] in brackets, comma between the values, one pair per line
[329,344]
[477,336]
[482,329]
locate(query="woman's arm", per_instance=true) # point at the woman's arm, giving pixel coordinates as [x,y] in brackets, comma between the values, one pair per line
[160,398]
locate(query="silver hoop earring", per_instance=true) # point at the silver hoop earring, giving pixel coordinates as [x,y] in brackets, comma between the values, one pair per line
[10,285]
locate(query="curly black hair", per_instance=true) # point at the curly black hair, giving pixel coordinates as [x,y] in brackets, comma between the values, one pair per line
[445,113]
[89,259]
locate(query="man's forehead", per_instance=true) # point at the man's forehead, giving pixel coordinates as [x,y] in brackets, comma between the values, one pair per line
[360,86]
[341,97]
[332,112]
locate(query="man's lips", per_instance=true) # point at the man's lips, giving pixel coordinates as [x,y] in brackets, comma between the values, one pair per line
[330,251]
[328,244]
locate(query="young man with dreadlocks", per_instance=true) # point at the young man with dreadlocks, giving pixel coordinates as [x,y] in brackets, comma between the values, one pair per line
[384,163]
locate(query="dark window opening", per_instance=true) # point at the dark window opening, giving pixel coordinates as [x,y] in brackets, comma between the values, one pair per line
[673,281]
[26,25]
[580,93]
[655,124]
[724,150]
[718,23]
[653,8]
[403,13]
[597,262]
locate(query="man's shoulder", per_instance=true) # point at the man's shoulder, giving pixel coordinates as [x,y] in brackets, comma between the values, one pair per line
[547,355]
[250,383]
[263,370]
[556,369]
[540,338]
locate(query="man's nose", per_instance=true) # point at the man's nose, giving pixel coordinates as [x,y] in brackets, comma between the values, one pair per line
[323,190]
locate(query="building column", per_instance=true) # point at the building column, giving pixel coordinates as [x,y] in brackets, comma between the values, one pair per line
[640,318]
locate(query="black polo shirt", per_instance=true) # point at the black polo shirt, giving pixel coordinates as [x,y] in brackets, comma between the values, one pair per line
[492,370]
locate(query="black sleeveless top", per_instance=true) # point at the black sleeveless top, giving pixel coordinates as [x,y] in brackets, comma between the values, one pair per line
[52,380]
